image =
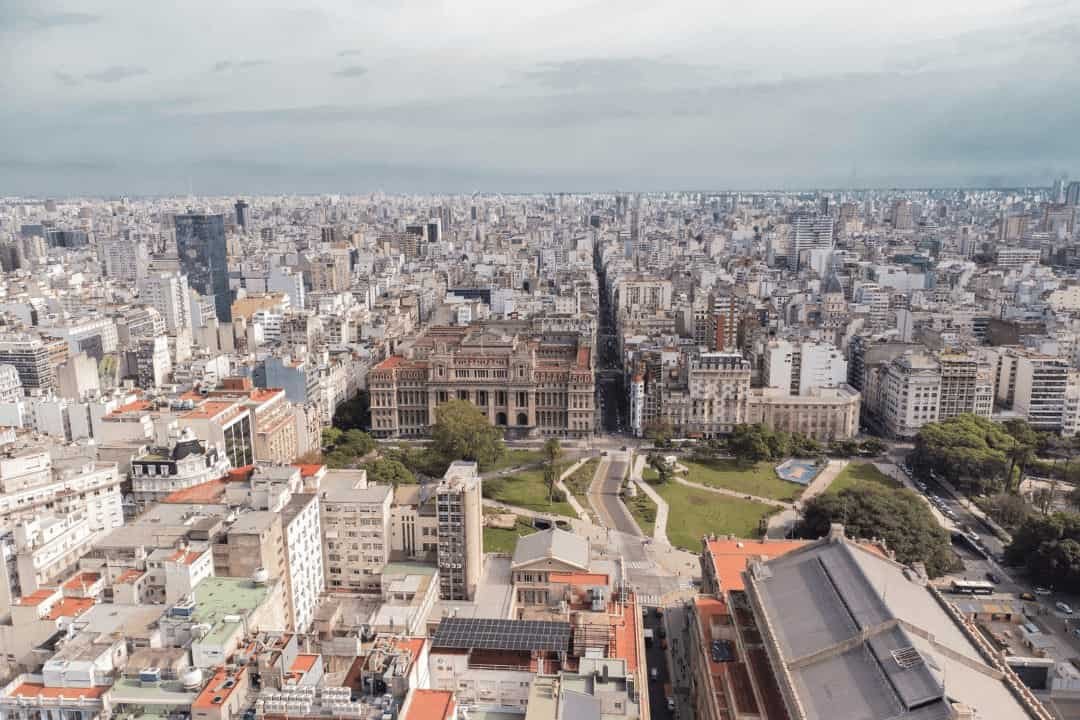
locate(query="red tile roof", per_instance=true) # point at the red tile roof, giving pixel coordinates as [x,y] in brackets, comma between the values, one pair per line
[79,580]
[32,690]
[303,663]
[216,689]
[70,607]
[129,576]
[38,596]
[730,557]
[430,705]
[309,469]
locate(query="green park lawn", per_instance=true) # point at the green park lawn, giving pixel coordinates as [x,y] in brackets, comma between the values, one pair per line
[578,482]
[759,479]
[515,458]
[860,474]
[498,540]
[693,513]
[643,509]
[525,489]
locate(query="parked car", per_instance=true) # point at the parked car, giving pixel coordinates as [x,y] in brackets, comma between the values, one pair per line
[1026,596]
[671,701]
[1064,607]
[993,577]
[1042,591]
[653,674]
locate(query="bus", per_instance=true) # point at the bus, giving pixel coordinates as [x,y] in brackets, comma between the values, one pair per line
[972,587]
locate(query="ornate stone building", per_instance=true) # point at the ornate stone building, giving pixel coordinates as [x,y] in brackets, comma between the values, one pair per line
[528,384]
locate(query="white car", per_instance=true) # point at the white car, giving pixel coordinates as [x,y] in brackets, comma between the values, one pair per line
[1042,591]
[1064,607]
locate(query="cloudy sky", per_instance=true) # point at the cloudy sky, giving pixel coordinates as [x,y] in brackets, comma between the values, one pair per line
[480,95]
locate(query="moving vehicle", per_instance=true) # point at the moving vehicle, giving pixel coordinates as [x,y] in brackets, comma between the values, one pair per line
[1064,607]
[971,587]
[1043,591]
[1026,596]
[993,577]
[653,674]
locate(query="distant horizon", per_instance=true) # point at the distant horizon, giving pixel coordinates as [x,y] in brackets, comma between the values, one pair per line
[428,97]
[494,193]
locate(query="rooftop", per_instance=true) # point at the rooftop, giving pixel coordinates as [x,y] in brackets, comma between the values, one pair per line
[730,557]
[861,636]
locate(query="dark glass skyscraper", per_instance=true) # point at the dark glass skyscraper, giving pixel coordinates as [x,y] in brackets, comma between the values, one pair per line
[200,245]
[242,213]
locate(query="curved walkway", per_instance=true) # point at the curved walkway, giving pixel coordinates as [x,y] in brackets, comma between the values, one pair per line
[660,525]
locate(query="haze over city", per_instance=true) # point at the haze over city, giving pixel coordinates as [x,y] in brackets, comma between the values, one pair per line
[475,95]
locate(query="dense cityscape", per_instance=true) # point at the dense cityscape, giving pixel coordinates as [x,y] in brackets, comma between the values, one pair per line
[714,455]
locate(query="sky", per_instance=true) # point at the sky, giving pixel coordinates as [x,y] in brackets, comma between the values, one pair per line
[141,98]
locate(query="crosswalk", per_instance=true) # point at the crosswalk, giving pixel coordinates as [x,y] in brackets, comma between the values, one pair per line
[649,600]
[639,565]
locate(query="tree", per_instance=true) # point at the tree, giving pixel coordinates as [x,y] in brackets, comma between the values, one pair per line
[969,451]
[385,471]
[895,515]
[552,453]
[1007,509]
[357,442]
[660,432]
[1049,547]
[462,432]
[661,466]
[331,436]
[1043,499]
[354,413]
[749,445]
[873,446]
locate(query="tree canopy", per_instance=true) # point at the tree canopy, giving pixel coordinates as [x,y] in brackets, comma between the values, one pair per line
[387,471]
[895,515]
[462,432]
[971,452]
[754,443]
[1049,547]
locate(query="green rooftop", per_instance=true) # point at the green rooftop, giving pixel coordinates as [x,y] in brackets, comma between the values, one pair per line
[129,691]
[216,597]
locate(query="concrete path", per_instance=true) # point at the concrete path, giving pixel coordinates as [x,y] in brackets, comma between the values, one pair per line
[660,526]
[782,524]
[581,512]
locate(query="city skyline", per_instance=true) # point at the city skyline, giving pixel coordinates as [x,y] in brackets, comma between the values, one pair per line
[423,97]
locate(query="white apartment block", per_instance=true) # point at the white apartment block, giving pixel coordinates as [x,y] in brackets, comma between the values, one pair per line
[1033,385]
[303,544]
[11,390]
[911,390]
[967,386]
[356,528]
[798,367]
[168,293]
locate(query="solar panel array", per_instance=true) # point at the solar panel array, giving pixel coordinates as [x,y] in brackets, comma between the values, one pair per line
[495,634]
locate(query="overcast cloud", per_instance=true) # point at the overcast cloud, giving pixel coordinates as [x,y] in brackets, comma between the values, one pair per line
[462,95]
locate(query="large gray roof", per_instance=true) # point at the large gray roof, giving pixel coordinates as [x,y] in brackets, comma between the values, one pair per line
[552,544]
[860,637]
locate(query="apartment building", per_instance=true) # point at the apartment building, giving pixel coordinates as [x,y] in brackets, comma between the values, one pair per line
[911,394]
[461,527]
[32,359]
[356,525]
[967,385]
[796,367]
[1033,385]
[526,384]
[161,471]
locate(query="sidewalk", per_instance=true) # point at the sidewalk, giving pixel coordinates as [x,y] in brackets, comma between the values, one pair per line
[660,526]
[581,512]
[782,524]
